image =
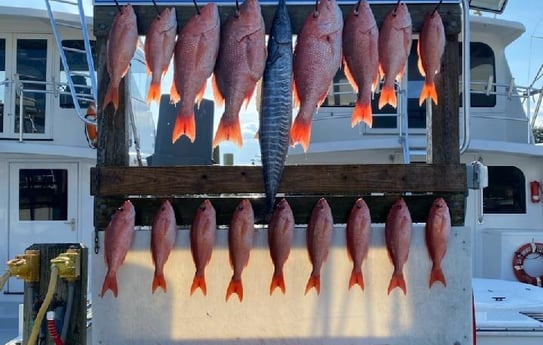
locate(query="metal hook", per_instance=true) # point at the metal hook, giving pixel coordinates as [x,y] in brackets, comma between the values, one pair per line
[357,7]
[396,7]
[196,6]
[119,8]
[437,7]
[156,8]
[316,13]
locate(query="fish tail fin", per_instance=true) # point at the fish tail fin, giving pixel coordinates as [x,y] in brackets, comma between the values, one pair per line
[184,125]
[198,282]
[301,132]
[236,287]
[437,275]
[428,90]
[356,278]
[229,129]
[217,94]
[397,280]
[159,281]
[388,96]
[278,280]
[313,282]
[174,94]
[154,93]
[362,113]
[110,283]
[112,96]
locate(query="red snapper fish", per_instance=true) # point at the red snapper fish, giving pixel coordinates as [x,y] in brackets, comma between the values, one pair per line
[317,57]
[240,65]
[240,242]
[194,59]
[158,47]
[430,48]
[202,240]
[280,234]
[163,235]
[394,47]
[398,229]
[319,238]
[438,229]
[118,238]
[120,48]
[358,239]
[361,59]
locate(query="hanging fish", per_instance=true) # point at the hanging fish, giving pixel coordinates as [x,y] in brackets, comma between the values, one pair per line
[118,238]
[398,229]
[120,48]
[240,242]
[319,238]
[394,48]
[361,59]
[194,59]
[430,48]
[438,229]
[163,236]
[240,64]
[276,103]
[358,239]
[202,239]
[280,234]
[317,57]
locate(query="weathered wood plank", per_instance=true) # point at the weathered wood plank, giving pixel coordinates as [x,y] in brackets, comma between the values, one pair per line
[443,129]
[185,207]
[299,179]
[451,14]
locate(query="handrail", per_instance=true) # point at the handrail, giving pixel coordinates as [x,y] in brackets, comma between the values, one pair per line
[466,101]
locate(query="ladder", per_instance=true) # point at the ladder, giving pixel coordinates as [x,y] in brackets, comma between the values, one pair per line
[89,74]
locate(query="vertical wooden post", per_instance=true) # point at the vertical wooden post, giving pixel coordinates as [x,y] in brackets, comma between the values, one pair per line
[443,129]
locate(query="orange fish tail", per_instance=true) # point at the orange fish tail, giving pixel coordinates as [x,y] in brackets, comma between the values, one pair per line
[388,96]
[110,283]
[229,130]
[397,281]
[159,281]
[112,96]
[428,90]
[184,125]
[356,278]
[301,132]
[198,282]
[236,287]
[314,281]
[362,113]
[437,275]
[278,280]
[154,93]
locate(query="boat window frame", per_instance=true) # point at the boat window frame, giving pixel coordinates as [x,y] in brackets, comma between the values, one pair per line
[505,198]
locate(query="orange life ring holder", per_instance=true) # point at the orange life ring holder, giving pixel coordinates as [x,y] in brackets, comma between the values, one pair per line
[518,262]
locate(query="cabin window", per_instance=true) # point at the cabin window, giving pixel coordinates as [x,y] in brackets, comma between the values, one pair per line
[506,191]
[77,62]
[483,70]
[32,73]
[2,82]
[43,194]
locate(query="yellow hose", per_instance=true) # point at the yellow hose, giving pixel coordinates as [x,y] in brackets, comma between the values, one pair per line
[41,313]
[3,279]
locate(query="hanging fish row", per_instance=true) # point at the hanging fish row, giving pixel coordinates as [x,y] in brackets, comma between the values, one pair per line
[398,228]
[235,54]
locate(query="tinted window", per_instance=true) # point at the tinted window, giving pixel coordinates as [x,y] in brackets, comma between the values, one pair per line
[43,194]
[77,62]
[506,191]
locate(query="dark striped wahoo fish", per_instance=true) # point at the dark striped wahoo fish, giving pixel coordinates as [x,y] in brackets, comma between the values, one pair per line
[276,103]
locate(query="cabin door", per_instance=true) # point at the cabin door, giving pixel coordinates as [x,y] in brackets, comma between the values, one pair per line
[43,206]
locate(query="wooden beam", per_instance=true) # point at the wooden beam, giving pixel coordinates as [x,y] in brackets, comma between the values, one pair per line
[443,128]
[451,14]
[299,179]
